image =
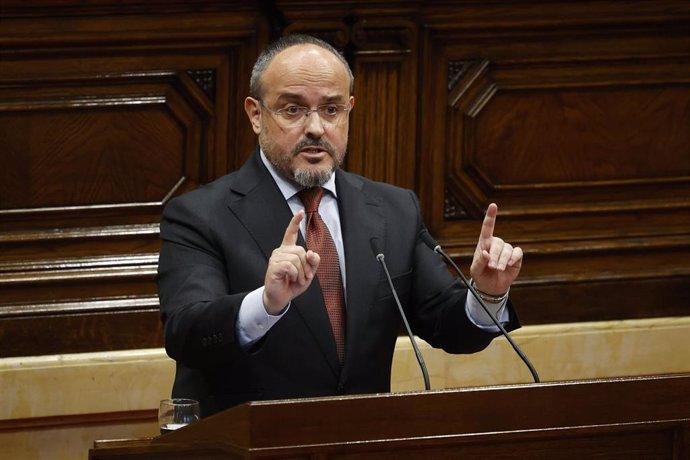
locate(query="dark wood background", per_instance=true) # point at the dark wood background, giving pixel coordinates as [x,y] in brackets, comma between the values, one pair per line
[573,116]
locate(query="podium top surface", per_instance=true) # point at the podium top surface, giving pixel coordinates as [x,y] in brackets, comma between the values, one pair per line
[460,412]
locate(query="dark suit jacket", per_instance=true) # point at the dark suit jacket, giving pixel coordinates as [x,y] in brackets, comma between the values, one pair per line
[216,242]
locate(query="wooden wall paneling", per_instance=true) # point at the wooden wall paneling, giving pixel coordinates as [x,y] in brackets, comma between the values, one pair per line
[579,133]
[383,133]
[105,114]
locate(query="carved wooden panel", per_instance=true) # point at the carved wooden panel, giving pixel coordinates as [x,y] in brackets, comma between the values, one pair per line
[582,139]
[384,135]
[104,118]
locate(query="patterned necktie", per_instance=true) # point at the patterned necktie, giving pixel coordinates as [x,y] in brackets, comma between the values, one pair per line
[320,241]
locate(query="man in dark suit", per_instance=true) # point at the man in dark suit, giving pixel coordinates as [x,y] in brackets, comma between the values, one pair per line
[251,314]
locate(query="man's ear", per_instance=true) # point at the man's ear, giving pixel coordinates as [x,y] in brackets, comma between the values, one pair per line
[251,106]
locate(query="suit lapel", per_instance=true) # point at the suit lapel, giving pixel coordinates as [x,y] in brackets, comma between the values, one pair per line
[258,203]
[361,218]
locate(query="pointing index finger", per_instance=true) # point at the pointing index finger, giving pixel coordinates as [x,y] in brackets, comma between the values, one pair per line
[488,225]
[292,230]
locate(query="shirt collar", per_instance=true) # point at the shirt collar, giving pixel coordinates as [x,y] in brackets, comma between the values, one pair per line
[289,188]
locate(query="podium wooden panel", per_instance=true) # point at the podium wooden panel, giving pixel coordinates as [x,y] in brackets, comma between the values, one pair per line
[626,418]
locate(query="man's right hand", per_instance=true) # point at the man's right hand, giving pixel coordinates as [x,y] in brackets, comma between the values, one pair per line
[290,271]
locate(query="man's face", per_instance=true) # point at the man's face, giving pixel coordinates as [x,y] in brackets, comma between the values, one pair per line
[309,149]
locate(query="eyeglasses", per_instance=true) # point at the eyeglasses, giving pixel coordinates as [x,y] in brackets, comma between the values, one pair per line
[295,115]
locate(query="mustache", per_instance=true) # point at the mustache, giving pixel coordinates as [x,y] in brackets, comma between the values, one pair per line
[320,143]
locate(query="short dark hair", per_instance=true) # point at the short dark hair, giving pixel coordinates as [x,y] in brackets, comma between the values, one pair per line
[282,44]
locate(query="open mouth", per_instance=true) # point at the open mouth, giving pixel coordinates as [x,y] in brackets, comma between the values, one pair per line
[313,152]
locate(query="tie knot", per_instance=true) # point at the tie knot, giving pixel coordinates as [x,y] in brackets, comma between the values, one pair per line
[311,197]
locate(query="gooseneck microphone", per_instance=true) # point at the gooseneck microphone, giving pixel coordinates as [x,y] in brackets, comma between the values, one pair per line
[429,241]
[420,359]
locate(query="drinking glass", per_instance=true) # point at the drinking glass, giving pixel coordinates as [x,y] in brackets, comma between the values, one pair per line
[177,412]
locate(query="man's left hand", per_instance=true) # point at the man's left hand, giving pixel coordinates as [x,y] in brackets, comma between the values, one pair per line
[495,264]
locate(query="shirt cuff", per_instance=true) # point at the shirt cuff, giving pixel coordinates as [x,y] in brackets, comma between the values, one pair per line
[478,316]
[253,322]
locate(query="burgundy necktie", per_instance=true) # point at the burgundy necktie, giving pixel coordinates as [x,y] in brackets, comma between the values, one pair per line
[320,241]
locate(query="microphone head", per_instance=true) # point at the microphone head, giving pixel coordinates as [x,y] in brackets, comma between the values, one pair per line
[376,247]
[429,240]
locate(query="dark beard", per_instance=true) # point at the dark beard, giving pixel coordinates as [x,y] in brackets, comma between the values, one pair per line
[307,177]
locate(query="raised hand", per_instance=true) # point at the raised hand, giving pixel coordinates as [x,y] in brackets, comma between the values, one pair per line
[495,264]
[290,270]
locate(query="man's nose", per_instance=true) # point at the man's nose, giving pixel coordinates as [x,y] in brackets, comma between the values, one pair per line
[313,126]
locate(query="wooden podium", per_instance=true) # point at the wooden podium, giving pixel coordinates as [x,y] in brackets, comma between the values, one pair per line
[626,418]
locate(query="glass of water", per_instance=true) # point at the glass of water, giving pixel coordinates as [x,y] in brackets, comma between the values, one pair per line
[176,413]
